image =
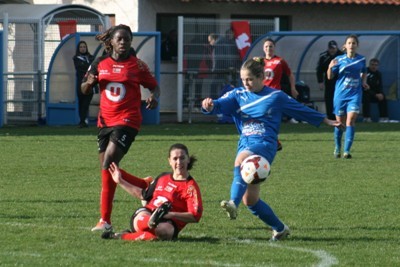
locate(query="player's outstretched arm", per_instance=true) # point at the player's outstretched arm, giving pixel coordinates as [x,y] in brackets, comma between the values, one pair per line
[334,123]
[207,104]
[115,172]
[128,187]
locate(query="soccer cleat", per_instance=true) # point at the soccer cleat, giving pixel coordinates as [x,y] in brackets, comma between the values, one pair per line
[336,153]
[276,236]
[347,155]
[102,226]
[158,214]
[230,208]
[279,146]
[110,235]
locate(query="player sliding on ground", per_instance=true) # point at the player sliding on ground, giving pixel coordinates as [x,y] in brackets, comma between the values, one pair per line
[172,200]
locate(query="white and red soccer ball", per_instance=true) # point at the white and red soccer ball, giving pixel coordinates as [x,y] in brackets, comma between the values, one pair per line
[255,169]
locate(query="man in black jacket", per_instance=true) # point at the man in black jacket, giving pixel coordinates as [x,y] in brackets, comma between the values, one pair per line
[375,92]
[323,63]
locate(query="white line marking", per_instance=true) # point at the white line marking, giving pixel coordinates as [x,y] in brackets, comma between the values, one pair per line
[325,259]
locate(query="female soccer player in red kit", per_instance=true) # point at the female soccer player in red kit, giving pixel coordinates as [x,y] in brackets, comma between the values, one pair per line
[276,68]
[119,75]
[173,200]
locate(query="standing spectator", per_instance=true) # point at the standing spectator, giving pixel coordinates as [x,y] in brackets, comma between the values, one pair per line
[169,47]
[324,83]
[257,111]
[216,78]
[375,92]
[82,61]
[119,75]
[351,73]
[172,200]
[196,65]
[227,55]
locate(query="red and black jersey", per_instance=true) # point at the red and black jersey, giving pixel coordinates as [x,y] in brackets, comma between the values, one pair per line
[273,70]
[183,194]
[120,96]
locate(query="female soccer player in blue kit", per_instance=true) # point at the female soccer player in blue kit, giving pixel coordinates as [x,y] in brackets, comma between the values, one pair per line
[257,111]
[351,73]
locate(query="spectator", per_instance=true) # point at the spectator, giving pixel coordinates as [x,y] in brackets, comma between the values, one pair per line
[324,83]
[227,56]
[120,76]
[169,47]
[217,78]
[197,67]
[351,73]
[82,61]
[172,200]
[375,93]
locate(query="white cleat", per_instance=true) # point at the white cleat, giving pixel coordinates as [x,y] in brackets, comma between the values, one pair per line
[102,226]
[277,236]
[230,208]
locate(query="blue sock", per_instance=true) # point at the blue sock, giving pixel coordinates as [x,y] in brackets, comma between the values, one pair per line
[349,138]
[263,211]
[338,138]
[238,187]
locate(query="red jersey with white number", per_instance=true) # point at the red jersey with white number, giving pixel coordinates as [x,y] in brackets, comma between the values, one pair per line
[273,70]
[120,96]
[183,194]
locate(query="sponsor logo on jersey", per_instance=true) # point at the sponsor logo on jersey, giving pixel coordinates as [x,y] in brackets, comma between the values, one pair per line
[115,92]
[117,68]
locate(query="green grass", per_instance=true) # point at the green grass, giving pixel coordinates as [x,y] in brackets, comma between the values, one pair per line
[341,212]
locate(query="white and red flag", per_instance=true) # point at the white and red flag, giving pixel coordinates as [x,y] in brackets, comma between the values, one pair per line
[241,30]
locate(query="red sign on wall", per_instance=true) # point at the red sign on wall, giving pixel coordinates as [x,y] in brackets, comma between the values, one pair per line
[67,27]
[241,30]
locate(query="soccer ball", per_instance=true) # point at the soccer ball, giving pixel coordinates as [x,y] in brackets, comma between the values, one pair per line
[255,169]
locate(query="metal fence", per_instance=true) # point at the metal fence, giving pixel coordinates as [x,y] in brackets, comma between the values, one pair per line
[205,71]
[30,45]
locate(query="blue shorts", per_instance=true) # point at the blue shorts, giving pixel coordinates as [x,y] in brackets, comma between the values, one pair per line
[259,147]
[342,107]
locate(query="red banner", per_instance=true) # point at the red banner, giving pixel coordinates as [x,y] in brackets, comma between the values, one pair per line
[241,30]
[67,27]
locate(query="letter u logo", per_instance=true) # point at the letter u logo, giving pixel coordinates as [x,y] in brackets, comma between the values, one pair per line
[115,91]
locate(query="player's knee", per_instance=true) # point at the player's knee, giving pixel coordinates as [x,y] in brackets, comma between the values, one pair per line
[165,231]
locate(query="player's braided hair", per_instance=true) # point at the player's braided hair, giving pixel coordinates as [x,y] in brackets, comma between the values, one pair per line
[106,36]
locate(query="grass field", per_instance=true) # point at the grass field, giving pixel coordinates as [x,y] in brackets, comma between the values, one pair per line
[341,212]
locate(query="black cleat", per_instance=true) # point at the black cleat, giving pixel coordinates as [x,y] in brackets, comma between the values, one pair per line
[110,235]
[158,214]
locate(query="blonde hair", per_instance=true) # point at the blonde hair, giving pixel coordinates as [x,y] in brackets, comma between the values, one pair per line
[255,65]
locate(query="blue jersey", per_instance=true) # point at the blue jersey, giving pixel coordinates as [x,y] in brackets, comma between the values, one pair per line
[258,116]
[349,82]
